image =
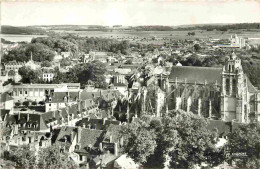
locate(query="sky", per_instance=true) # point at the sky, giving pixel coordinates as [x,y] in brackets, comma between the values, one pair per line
[128,12]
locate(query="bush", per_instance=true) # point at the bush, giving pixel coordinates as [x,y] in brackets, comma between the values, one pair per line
[34,103]
[17,104]
[26,103]
[41,103]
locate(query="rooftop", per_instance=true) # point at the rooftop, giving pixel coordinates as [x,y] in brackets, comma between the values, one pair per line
[194,74]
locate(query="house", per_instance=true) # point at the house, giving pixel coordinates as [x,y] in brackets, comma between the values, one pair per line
[60,100]
[47,74]
[120,84]
[38,92]
[13,65]
[6,102]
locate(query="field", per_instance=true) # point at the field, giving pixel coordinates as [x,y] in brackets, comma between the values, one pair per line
[154,37]
[163,36]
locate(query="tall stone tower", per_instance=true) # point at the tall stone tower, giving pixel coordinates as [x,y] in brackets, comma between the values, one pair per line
[234,93]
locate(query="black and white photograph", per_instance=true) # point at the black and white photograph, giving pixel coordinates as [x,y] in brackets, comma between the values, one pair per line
[130,84]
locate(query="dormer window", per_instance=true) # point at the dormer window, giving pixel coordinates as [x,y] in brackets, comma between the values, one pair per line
[77,147]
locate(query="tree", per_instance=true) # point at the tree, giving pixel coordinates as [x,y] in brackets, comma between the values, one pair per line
[182,140]
[90,71]
[140,141]
[11,73]
[46,63]
[246,139]
[41,103]
[34,103]
[194,139]
[23,157]
[65,62]
[29,75]
[52,157]
[26,103]
[129,61]
[17,104]
[197,47]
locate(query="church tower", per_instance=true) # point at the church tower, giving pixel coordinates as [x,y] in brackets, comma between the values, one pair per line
[233,94]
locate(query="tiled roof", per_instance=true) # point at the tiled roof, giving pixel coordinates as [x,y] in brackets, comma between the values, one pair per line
[59,96]
[65,132]
[251,88]
[5,97]
[90,138]
[99,124]
[194,74]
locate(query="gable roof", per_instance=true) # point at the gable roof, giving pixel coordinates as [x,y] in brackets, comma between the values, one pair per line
[194,74]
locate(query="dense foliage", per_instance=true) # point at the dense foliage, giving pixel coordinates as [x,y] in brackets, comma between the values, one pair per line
[245,139]
[49,157]
[178,140]
[21,30]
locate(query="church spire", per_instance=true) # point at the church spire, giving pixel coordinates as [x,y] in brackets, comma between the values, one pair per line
[234,56]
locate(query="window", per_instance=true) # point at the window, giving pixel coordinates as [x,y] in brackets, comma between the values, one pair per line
[80,157]
[25,92]
[211,94]
[234,86]
[227,86]
[21,92]
[49,104]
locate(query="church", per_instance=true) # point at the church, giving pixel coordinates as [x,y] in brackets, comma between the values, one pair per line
[217,93]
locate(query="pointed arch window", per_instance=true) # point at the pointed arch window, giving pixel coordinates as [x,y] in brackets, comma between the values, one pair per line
[227,86]
[234,86]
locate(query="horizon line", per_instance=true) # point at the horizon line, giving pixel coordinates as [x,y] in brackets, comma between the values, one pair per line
[135,25]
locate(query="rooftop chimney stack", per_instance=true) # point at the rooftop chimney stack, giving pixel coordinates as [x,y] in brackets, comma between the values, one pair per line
[79,134]
[115,149]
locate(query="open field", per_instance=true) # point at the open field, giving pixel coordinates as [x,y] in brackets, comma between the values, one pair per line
[145,37]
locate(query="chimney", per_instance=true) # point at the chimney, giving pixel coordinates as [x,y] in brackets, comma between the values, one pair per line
[79,106]
[28,118]
[115,149]
[79,134]
[72,136]
[104,121]
[16,129]
[53,114]
[121,141]
[100,147]
[110,139]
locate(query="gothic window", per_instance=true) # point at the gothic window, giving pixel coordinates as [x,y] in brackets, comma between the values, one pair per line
[227,86]
[233,68]
[229,67]
[184,103]
[234,86]
[211,94]
[191,90]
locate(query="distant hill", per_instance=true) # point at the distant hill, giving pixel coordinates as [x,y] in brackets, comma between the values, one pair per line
[23,30]
[220,26]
